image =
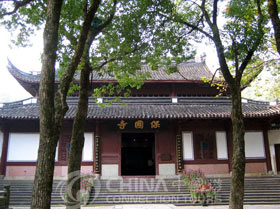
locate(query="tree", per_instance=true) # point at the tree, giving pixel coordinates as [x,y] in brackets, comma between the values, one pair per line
[53,104]
[41,196]
[273,12]
[275,89]
[135,31]
[240,38]
[53,108]
[135,34]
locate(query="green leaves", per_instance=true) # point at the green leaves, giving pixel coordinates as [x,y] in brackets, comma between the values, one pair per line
[140,33]
[242,27]
[25,22]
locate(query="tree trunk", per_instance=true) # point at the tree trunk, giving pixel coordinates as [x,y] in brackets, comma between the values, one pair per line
[238,158]
[52,112]
[41,196]
[273,12]
[77,141]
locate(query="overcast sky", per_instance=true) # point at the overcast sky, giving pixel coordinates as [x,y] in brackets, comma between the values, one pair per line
[28,59]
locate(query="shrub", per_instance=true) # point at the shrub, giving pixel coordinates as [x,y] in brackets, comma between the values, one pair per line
[198,184]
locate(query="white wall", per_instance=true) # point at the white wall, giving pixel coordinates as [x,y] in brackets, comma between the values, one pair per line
[1,143]
[254,144]
[166,170]
[88,147]
[273,138]
[221,143]
[110,171]
[23,147]
[188,146]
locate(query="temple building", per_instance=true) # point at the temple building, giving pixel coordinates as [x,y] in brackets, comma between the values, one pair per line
[174,121]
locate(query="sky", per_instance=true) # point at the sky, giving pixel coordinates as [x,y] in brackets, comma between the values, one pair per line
[28,59]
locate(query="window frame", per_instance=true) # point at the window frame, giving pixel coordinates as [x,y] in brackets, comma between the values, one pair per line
[213,133]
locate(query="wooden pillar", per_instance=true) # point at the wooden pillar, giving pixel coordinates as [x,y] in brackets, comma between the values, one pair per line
[179,153]
[97,145]
[179,147]
[4,153]
[267,151]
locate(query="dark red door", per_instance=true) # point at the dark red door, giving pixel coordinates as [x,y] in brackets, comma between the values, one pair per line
[277,155]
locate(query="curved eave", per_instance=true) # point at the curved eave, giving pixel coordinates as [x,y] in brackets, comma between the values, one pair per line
[33,89]
[28,81]
[22,76]
[157,77]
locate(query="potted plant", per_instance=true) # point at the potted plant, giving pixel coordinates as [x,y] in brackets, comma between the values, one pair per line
[86,187]
[199,186]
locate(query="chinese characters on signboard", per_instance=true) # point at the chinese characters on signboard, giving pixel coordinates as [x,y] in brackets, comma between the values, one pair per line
[139,124]
[122,125]
[155,124]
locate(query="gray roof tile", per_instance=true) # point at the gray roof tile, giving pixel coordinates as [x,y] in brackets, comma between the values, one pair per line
[188,109]
[191,71]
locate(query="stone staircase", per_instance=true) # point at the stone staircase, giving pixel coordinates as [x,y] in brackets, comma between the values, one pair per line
[258,190]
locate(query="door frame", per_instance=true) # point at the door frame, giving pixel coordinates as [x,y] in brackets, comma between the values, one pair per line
[155,153]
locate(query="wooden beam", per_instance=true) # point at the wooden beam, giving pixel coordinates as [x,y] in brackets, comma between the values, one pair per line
[267,151]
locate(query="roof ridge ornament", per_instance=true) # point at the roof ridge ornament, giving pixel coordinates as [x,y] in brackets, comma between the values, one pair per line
[203,57]
[274,103]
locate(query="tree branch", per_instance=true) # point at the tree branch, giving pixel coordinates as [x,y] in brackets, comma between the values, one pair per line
[18,4]
[205,14]
[116,58]
[195,27]
[219,46]
[215,10]
[70,70]
[256,44]
[273,12]
[190,25]
[235,51]
[259,68]
[109,20]
[213,77]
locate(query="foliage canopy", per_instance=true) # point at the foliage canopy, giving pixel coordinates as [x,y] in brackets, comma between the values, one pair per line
[140,33]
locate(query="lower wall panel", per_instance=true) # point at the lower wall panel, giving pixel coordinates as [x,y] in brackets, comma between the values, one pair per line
[27,171]
[254,167]
[259,167]
[209,168]
[61,171]
[20,171]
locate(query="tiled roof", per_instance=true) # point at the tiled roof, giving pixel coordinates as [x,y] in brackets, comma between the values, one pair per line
[188,71]
[191,71]
[151,108]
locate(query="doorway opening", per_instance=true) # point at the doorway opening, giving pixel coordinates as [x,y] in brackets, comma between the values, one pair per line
[138,154]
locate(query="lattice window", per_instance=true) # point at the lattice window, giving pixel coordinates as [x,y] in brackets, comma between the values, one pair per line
[64,147]
[205,146]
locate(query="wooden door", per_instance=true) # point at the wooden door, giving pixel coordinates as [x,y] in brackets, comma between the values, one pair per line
[277,155]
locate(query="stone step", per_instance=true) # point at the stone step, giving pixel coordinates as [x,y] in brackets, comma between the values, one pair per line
[258,190]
